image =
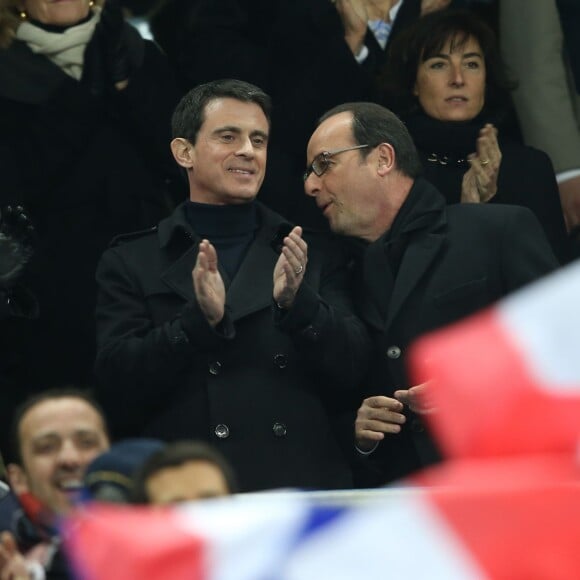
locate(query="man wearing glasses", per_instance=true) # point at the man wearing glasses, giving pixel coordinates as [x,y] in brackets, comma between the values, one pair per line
[225,323]
[422,265]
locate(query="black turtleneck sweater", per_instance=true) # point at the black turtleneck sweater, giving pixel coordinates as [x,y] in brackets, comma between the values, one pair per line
[230,228]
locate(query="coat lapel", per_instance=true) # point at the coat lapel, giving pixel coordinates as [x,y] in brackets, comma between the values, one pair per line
[178,274]
[416,261]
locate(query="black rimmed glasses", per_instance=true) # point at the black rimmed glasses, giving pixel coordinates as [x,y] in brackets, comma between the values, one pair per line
[322,161]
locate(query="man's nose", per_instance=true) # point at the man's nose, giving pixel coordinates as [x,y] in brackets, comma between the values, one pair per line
[70,454]
[246,147]
[312,184]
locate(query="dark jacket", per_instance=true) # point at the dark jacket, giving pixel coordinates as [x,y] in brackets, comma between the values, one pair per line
[526,175]
[259,391]
[28,535]
[448,262]
[87,167]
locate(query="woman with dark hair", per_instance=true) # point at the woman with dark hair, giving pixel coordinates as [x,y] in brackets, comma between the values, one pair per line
[446,80]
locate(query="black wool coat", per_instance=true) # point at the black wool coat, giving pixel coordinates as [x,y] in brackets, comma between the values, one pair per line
[263,387]
[452,261]
[86,167]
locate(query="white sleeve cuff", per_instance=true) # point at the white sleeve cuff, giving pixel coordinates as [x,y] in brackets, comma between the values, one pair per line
[362,54]
[566,175]
[35,570]
[361,452]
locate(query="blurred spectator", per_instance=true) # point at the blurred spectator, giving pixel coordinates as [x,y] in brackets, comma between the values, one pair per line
[547,99]
[56,434]
[109,477]
[184,471]
[446,80]
[85,106]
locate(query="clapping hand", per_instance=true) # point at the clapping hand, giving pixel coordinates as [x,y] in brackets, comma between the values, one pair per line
[290,268]
[353,14]
[480,180]
[208,284]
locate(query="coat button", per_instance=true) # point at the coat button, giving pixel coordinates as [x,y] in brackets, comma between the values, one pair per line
[222,431]
[417,426]
[393,352]
[281,361]
[310,333]
[215,367]
[279,429]
[179,338]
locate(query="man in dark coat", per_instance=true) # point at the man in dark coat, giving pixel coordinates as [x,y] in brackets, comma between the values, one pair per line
[422,265]
[197,338]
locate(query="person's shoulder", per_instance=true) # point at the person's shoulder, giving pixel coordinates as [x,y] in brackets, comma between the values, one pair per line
[526,157]
[479,214]
[137,237]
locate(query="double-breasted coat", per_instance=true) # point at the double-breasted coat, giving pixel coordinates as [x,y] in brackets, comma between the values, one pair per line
[262,387]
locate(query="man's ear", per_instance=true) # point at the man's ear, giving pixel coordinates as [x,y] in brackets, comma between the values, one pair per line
[182,152]
[17,479]
[386,158]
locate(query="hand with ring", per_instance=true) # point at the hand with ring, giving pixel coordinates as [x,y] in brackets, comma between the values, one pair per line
[480,180]
[290,268]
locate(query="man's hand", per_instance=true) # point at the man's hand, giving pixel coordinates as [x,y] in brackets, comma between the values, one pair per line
[375,417]
[12,562]
[570,198]
[480,181]
[433,5]
[290,268]
[416,398]
[208,284]
[353,14]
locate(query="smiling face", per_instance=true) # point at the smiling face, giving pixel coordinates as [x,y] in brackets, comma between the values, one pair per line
[450,85]
[58,439]
[57,12]
[227,163]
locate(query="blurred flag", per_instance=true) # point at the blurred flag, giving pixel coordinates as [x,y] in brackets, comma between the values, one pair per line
[507,381]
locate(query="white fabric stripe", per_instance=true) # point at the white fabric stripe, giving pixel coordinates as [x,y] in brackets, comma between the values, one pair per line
[543,320]
[246,538]
[402,538]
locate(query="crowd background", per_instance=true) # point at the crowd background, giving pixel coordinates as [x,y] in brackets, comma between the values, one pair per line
[87,155]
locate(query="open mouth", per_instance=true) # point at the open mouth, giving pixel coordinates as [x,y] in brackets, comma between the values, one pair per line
[241,171]
[456,99]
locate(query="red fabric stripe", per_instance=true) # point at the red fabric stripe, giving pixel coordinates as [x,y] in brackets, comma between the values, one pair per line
[488,402]
[116,543]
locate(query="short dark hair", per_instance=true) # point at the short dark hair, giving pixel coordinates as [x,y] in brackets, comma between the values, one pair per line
[175,455]
[424,39]
[15,450]
[189,114]
[373,124]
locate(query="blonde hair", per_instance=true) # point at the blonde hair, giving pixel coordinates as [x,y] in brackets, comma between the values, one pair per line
[10,19]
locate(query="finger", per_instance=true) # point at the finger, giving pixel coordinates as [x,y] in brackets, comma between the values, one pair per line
[376,427]
[297,245]
[380,402]
[8,543]
[294,263]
